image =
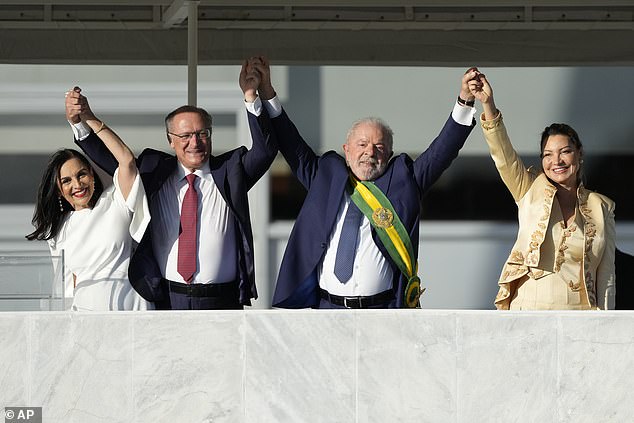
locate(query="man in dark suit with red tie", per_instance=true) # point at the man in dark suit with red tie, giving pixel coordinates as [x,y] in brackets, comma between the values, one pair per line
[355,241]
[198,250]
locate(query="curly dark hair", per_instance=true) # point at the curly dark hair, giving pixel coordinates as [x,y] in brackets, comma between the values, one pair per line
[48,217]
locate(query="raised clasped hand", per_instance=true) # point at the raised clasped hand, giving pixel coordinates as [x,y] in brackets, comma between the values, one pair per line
[73,105]
[249,80]
[480,88]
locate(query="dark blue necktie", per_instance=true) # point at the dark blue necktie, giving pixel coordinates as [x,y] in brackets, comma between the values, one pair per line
[347,247]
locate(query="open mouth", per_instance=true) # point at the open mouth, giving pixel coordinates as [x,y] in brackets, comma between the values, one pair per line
[560,169]
[81,193]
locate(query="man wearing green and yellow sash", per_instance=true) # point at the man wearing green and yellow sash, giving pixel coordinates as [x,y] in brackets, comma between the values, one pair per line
[355,241]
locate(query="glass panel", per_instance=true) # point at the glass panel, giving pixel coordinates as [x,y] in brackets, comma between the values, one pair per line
[31,281]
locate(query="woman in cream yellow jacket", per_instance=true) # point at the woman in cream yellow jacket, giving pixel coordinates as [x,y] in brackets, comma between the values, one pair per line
[563,258]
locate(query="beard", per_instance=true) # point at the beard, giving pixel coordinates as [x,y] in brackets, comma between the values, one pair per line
[368,169]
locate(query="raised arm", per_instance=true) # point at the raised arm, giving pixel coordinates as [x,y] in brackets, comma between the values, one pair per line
[257,160]
[445,148]
[512,170]
[299,156]
[86,139]
[78,110]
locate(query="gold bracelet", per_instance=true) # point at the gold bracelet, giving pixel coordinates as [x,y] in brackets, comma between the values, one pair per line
[103,125]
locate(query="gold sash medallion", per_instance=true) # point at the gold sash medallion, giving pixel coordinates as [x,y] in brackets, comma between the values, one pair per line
[383,217]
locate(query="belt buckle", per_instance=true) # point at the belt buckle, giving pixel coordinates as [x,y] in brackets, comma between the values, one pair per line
[346,299]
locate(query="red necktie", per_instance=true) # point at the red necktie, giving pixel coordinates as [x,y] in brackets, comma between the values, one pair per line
[187,239]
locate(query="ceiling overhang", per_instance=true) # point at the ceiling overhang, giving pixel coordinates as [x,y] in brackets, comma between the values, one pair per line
[432,33]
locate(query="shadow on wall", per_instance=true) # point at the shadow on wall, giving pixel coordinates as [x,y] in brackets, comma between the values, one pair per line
[609,172]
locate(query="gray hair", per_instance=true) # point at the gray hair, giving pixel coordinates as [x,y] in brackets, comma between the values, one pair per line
[388,134]
[205,116]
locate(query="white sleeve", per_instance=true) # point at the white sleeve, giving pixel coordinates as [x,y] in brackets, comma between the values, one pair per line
[273,106]
[136,203]
[80,130]
[463,114]
[62,275]
[254,108]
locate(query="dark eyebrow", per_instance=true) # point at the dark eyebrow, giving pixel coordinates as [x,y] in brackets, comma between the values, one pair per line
[81,170]
[562,148]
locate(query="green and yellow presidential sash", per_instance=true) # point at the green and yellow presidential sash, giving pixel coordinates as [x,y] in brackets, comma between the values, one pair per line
[380,212]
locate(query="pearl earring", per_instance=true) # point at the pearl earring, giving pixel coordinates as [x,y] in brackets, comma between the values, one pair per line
[61,206]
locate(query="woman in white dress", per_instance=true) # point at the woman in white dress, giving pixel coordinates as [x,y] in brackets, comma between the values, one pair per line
[95,227]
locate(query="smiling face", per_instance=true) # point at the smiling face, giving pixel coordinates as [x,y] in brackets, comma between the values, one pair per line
[366,150]
[76,183]
[561,160]
[194,150]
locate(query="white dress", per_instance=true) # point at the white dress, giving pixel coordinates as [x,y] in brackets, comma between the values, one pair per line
[97,246]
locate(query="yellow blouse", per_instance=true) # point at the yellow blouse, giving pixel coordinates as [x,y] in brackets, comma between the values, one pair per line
[564,289]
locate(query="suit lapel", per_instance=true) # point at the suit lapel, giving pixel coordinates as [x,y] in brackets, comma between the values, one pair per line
[335,195]
[218,169]
[384,181]
[219,174]
[154,179]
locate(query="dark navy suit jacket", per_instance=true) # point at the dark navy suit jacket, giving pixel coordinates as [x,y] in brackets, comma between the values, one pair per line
[234,173]
[404,183]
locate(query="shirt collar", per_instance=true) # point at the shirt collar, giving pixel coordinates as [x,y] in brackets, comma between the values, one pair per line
[203,172]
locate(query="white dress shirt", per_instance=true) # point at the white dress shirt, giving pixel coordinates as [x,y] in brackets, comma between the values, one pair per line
[217,243]
[371,272]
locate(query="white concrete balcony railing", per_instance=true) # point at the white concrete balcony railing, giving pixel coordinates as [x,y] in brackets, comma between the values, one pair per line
[320,366]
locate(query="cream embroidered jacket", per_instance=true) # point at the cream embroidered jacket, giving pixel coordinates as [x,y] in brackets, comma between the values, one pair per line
[534,195]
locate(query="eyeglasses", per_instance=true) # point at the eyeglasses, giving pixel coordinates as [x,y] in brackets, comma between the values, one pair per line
[203,134]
